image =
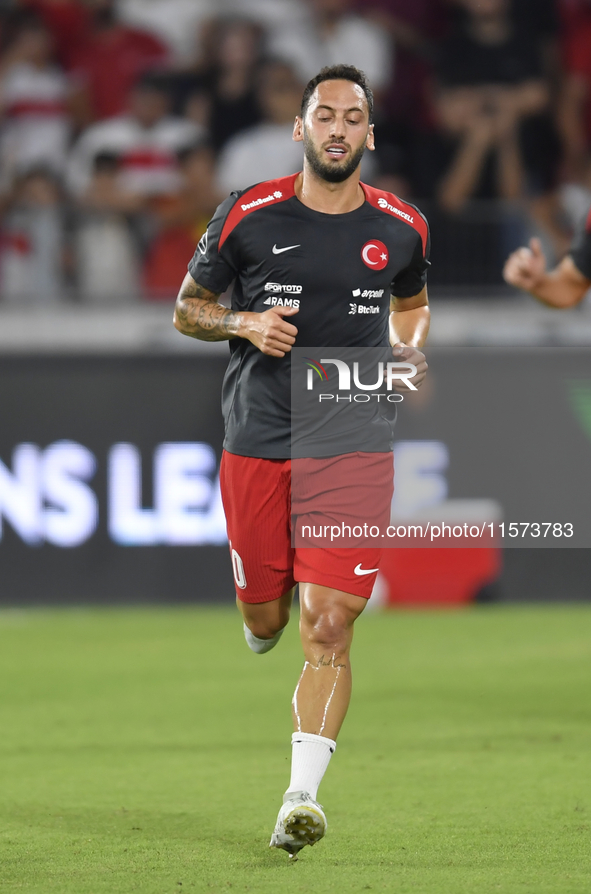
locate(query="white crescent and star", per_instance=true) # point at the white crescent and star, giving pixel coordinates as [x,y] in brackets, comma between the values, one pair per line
[374,254]
[366,251]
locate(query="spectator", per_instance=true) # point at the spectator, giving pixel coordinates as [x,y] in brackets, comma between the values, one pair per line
[404,112]
[111,58]
[182,223]
[226,73]
[234,100]
[32,245]
[106,252]
[267,150]
[413,25]
[146,142]
[575,106]
[177,22]
[35,96]
[332,34]
[490,101]
[67,20]
[414,28]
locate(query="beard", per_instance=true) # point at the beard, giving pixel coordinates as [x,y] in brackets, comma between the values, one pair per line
[331,171]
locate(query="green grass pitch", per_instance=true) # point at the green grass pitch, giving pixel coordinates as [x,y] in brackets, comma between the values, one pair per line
[147,750]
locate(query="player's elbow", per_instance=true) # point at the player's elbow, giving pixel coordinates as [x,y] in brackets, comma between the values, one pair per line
[177,319]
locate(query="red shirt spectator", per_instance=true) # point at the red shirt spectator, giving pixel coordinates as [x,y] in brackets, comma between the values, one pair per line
[574,107]
[577,61]
[67,20]
[34,103]
[110,61]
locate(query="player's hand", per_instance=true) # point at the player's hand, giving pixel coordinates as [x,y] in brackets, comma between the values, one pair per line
[405,354]
[526,267]
[269,332]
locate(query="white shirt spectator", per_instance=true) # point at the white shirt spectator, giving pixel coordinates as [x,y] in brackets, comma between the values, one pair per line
[106,260]
[147,155]
[31,256]
[36,126]
[176,22]
[261,153]
[353,41]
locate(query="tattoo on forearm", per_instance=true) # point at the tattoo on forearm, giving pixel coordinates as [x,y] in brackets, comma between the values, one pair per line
[199,314]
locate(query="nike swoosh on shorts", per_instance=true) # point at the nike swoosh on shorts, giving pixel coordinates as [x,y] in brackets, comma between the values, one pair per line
[359,570]
[279,251]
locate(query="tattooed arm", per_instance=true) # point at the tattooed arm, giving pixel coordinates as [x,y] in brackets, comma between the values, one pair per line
[199,314]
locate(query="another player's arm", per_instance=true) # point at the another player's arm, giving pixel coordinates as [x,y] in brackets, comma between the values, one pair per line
[409,327]
[199,314]
[563,287]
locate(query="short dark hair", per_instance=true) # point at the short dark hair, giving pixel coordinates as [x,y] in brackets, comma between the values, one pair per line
[339,73]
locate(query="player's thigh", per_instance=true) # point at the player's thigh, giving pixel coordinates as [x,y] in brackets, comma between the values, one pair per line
[256,498]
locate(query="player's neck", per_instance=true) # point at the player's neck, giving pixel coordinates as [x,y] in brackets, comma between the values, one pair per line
[329,198]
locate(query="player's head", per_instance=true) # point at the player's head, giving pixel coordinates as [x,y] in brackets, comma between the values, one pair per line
[336,122]
[149,100]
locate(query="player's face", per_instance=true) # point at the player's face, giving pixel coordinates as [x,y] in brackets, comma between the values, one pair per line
[336,130]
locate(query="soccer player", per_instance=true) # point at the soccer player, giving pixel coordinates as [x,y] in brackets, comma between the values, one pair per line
[301,249]
[563,287]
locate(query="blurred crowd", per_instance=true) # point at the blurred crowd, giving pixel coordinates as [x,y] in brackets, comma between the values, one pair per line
[125,122]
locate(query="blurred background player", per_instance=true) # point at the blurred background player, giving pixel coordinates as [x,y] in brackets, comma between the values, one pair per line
[285,231]
[564,286]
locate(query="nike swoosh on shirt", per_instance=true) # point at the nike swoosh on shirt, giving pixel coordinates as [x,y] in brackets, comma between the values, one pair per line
[279,251]
[359,570]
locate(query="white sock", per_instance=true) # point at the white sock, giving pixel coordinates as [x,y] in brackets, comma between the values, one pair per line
[260,646]
[310,755]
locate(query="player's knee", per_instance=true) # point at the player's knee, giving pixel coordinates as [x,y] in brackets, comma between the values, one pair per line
[328,629]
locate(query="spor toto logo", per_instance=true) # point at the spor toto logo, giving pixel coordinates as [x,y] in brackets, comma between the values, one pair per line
[374,255]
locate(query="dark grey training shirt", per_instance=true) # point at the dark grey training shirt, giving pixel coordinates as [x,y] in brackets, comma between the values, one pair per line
[339,270]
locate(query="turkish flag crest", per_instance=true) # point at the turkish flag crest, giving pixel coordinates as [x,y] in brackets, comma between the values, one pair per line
[375,255]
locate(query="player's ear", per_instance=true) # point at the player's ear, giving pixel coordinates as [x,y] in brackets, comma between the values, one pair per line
[298,129]
[370,143]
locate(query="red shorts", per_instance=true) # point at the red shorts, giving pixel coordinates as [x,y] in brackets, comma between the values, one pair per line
[257,496]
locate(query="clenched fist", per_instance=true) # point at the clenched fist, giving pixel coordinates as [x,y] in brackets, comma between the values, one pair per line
[269,332]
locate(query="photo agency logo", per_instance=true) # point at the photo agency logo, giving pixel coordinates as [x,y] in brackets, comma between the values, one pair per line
[349,374]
